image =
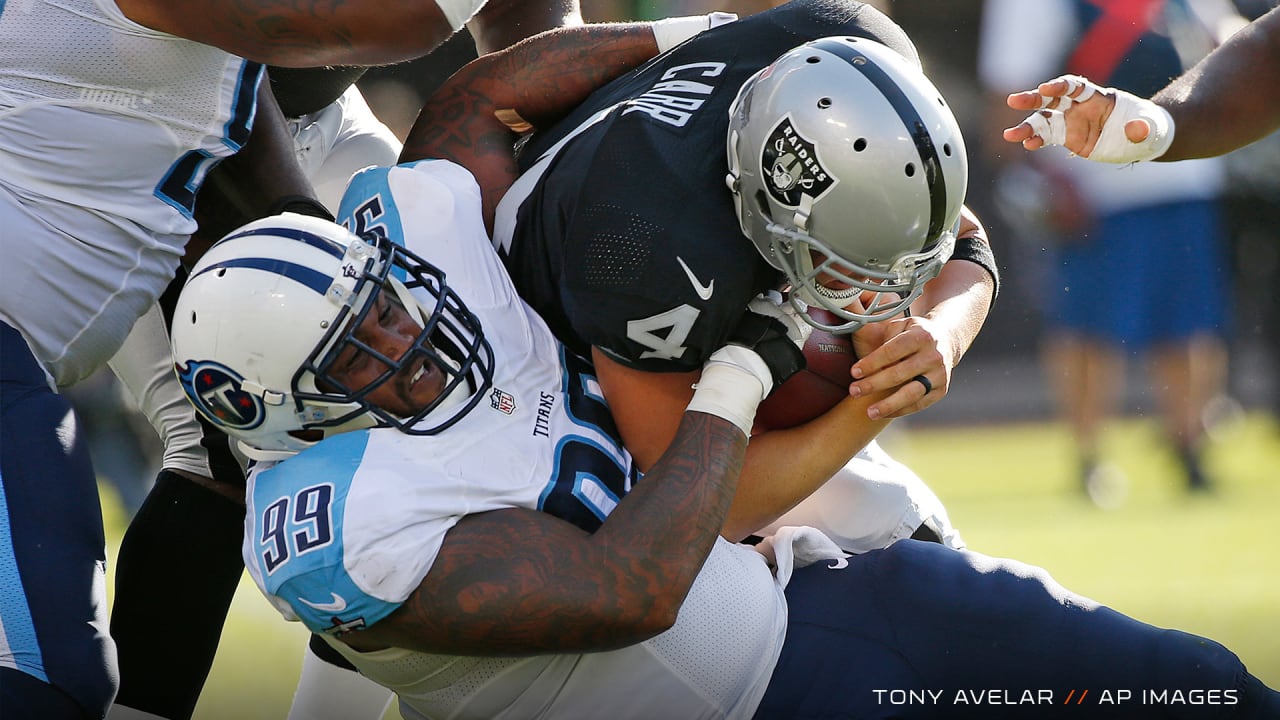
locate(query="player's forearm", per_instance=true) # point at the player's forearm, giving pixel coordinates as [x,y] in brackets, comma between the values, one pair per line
[302,34]
[958,299]
[546,76]
[502,23]
[469,119]
[516,582]
[783,467]
[1227,100]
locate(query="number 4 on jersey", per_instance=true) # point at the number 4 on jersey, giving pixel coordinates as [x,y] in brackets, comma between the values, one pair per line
[664,334]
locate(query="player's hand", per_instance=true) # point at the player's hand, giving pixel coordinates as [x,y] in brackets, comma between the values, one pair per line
[773,328]
[773,304]
[1099,123]
[1069,111]
[904,348]
[763,350]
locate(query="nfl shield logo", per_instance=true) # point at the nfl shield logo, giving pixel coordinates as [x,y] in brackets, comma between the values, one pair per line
[793,166]
[503,402]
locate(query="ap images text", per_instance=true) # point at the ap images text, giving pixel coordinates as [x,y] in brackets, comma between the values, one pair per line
[1044,696]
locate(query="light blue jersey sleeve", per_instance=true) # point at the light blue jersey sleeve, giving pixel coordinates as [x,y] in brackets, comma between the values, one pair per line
[294,537]
[368,205]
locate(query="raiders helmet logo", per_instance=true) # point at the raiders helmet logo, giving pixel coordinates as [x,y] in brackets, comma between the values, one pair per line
[793,165]
[215,391]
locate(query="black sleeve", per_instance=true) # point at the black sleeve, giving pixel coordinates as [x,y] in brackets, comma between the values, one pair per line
[301,91]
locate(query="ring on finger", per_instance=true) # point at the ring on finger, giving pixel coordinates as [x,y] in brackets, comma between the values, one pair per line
[928,386]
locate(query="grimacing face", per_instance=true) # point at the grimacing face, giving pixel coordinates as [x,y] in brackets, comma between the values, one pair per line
[389,329]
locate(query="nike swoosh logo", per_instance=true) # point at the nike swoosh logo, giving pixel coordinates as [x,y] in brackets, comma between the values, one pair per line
[338,604]
[704,291]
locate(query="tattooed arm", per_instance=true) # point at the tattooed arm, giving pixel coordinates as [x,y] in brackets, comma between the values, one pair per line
[520,581]
[314,33]
[502,23]
[536,81]
[302,33]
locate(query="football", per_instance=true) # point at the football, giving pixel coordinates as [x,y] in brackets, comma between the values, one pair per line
[818,387]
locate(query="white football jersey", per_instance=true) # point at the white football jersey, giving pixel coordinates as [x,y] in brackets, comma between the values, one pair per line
[107,130]
[339,535]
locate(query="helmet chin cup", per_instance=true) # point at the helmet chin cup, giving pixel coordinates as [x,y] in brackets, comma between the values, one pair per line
[893,290]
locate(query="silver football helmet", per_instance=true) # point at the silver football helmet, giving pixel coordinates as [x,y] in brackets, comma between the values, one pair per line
[267,310]
[846,165]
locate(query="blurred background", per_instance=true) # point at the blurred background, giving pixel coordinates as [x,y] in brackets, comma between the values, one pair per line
[996,449]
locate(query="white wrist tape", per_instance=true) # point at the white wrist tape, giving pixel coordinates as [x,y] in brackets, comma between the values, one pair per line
[670,32]
[734,382]
[1114,147]
[458,12]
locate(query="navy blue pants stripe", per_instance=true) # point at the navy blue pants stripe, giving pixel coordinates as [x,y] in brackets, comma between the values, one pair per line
[920,631]
[52,546]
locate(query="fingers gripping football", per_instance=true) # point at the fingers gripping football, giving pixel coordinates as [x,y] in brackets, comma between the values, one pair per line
[912,361]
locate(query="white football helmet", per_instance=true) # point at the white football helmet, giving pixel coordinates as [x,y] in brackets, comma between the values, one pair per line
[843,148]
[269,307]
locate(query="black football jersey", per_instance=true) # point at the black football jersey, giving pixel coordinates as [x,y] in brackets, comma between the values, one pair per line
[625,235]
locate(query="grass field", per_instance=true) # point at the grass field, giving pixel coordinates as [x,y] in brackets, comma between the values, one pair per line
[1208,565]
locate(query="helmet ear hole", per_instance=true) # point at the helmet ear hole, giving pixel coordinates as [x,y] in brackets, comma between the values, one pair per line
[762,205]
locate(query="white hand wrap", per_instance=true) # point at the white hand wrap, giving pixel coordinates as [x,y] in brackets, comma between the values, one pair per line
[1114,147]
[1066,101]
[1048,125]
[734,382]
[670,32]
[458,12]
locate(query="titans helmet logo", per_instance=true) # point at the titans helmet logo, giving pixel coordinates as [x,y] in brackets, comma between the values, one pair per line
[793,166]
[215,391]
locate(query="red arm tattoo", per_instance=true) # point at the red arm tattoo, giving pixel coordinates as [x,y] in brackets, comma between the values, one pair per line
[301,33]
[513,582]
[541,79]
